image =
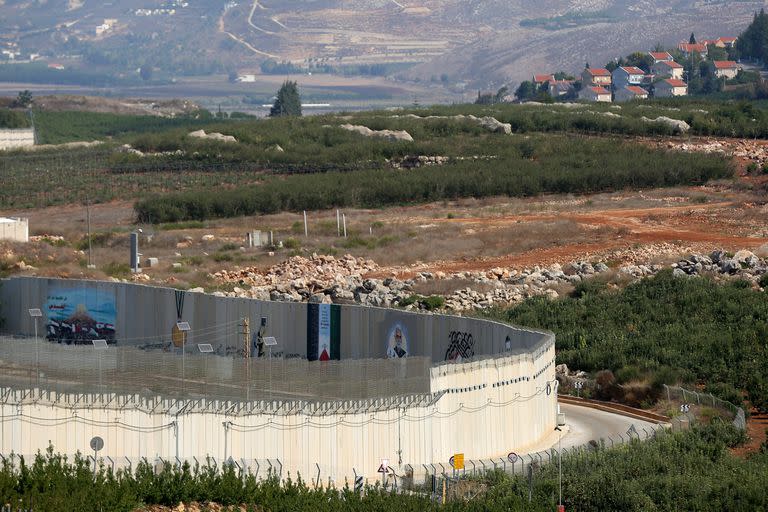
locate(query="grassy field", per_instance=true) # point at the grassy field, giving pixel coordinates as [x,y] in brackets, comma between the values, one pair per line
[479,163]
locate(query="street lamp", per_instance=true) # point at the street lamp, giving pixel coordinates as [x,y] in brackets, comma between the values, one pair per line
[184,328]
[35,313]
[560,507]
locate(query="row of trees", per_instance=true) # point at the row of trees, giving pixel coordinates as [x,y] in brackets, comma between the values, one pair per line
[531,167]
[690,470]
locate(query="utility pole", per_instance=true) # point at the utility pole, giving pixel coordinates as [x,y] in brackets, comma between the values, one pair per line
[88,224]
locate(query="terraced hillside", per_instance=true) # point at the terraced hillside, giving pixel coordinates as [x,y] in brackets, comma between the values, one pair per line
[476,41]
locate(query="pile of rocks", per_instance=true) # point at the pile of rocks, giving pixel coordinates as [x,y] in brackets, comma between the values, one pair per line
[743,264]
[299,278]
[326,279]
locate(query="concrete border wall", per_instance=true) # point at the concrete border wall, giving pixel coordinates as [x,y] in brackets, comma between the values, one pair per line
[15,229]
[500,398]
[16,138]
[146,314]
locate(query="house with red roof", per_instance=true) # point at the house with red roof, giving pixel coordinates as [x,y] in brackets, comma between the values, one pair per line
[629,93]
[668,69]
[728,42]
[542,79]
[596,76]
[595,93]
[714,42]
[626,75]
[690,48]
[670,87]
[660,56]
[726,69]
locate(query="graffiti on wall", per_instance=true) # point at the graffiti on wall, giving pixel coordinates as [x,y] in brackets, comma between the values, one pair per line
[397,342]
[461,346]
[80,315]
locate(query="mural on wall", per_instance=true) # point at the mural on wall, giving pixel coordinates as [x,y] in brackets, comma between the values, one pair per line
[461,346]
[80,315]
[323,332]
[397,342]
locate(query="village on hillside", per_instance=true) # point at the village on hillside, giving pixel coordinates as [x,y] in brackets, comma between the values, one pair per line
[707,66]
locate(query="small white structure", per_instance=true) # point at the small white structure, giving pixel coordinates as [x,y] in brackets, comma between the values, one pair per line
[16,138]
[15,229]
[670,87]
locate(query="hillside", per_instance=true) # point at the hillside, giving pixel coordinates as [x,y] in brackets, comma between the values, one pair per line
[480,42]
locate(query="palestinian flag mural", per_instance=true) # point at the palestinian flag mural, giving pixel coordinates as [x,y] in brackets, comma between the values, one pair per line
[323,332]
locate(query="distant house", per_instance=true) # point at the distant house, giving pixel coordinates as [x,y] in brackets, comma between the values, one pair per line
[726,68]
[627,75]
[660,56]
[539,80]
[595,93]
[668,68]
[690,48]
[629,93]
[560,87]
[714,42]
[670,87]
[729,42]
[596,76]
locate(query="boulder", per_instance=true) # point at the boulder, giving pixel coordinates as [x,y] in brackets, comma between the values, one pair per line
[390,135]
[678,125]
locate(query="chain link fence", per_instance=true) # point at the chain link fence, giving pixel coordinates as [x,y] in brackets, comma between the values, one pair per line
[166,371]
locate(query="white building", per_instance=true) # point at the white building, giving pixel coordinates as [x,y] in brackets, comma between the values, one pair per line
[14,229]
[670,87]
[627,75]
[668,68]
[726,69]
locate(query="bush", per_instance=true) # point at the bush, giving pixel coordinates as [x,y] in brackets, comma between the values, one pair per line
[672,329]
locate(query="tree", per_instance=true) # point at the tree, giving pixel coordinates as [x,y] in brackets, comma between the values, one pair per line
[23,100]
[145,72]
[640,60]
[753,42]
[692,39]
[288,101]
[526,90]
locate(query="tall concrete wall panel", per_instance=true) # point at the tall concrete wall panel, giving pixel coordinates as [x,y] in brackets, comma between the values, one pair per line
[146,314]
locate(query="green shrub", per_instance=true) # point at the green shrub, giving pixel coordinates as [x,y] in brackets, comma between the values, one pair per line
[672,329]
[291,243]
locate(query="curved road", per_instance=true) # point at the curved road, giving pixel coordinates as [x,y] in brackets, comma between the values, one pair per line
[585,424]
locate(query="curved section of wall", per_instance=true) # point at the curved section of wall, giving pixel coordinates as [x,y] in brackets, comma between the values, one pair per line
[495,394]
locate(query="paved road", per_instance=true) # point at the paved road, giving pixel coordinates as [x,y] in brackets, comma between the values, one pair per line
[586,424]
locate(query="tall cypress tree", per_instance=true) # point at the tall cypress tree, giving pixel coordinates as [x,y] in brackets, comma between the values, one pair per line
[288,101]
[753,42]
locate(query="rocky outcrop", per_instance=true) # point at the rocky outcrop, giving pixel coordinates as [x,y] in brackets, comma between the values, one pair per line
[200,134]
[390,135]
[676,124]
